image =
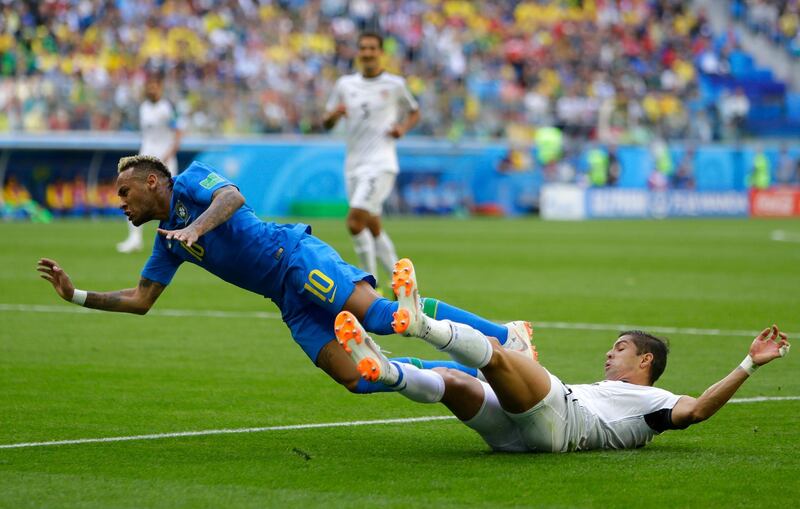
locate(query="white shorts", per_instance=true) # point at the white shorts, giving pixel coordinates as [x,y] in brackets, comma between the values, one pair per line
[369,192]
[554,424]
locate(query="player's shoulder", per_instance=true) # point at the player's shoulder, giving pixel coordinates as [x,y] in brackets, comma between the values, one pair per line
[394,79]
[348,79]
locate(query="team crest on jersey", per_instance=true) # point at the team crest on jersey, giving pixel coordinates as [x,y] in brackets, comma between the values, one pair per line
[181,212]
[384,94]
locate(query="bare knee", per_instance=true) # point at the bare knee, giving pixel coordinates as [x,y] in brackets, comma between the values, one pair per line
[500,357]
[357,220]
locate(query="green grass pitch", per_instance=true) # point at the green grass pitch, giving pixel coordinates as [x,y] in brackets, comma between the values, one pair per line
[69,375]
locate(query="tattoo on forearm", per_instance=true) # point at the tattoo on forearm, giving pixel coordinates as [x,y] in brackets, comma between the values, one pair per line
[108,301]
[223,206]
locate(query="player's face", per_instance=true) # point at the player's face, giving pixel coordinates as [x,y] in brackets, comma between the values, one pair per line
[153,90]
[369,54]
[622,360]
[137,199]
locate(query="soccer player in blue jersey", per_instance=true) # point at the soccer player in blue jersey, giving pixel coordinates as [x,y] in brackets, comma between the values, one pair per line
[204,220]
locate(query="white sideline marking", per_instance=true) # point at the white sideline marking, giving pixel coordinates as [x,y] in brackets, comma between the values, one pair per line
[292,427]
[690,331]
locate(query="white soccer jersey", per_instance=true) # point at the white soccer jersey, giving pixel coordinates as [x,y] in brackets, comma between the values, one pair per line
[620,415]
[158,122]
[373,106]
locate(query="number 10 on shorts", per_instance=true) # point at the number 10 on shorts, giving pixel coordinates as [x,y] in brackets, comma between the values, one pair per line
[321,285]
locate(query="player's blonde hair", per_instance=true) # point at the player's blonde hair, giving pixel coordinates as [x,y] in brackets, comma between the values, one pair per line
[143,162]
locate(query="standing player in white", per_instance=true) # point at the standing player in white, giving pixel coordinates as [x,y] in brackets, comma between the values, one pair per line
[523,407]
[378,109]
[161,137]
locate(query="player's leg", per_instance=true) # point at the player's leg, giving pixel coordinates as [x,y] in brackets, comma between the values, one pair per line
[134,240]
[471,401]
[377,314]
[319,284]
[382,185]
[358,193]
[518,380]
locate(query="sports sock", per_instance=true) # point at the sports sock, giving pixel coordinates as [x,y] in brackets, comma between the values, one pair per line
[427,364]
[365,387]
[378,318]
[443,311]
[364,244]
[420,385]
[384,249]
[467,345]
[134,233]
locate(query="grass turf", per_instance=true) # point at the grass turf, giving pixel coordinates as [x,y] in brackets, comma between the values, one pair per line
[69,375]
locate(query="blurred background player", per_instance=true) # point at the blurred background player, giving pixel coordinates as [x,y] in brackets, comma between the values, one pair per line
[372,103]
[161,138]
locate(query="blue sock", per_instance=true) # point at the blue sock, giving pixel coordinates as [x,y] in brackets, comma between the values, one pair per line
[439,310]
[365,387]
[423,364]
[378,318]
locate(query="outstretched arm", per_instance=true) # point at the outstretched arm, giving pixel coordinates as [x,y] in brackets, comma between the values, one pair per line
[224,202]
[137,300]
[767,346]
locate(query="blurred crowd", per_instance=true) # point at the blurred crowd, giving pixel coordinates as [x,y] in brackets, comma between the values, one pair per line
[619,71]
[777,19]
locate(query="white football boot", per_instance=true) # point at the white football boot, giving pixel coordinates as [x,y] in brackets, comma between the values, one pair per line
[372,365]
[520,339]
[409,320]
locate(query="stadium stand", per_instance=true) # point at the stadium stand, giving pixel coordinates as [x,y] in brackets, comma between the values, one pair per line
[621,72]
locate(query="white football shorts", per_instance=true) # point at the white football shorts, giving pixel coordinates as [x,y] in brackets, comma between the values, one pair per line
[369,192]
[555,424]
[552,425]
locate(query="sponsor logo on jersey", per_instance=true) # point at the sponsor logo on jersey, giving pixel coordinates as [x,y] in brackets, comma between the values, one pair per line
[212,180]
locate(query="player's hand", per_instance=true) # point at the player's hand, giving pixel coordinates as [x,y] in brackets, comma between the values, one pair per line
[339,112]
[188,235]
[396,132]
[768,345]
[50,271]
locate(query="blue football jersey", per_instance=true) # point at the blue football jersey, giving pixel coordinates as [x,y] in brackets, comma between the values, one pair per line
[244,250]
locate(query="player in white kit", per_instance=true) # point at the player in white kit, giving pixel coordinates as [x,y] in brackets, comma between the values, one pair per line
[378,109]
[522,407]
[161,137]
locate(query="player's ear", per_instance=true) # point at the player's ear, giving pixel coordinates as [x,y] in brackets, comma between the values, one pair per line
[152,180]
[646,360]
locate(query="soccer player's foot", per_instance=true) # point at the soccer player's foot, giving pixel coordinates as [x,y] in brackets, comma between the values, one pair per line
[409,319]
[372,365]
[129,245]
[520,339]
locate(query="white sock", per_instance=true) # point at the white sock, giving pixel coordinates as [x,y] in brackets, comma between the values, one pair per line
[384,248]
[436,332]
[420,385]
[468,346]
[364,244]
[134,233]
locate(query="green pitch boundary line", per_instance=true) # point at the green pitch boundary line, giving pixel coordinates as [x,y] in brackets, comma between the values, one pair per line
[202,313]
[294,427]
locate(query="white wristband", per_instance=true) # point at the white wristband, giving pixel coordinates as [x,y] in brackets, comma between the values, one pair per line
[748,365]
[79,297]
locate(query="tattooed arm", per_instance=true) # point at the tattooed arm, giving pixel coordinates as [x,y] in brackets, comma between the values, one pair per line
[224,202]
[137,300]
